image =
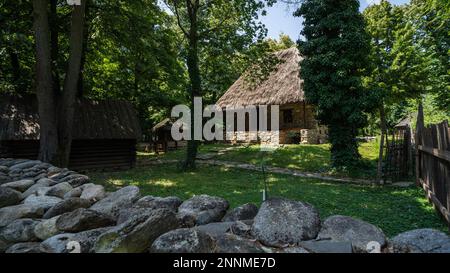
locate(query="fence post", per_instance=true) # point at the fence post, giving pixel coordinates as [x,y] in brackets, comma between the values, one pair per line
[419,128]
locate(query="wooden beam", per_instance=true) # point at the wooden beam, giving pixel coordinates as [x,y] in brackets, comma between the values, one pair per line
[444,155]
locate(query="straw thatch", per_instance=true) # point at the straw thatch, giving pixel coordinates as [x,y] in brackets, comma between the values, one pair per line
[282,86]
[108,119]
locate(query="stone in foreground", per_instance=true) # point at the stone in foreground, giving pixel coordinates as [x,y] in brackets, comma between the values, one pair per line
[421,241]
[347,229]
[203,209]
[137,234]
[121,199]
[244,212]
[83,219]
[9,197]
[282,222]
[184,241]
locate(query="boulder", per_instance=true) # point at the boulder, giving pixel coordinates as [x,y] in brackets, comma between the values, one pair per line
[9,214]
[93,192]
[421,241]
[326,246]
[152,202]
[36,187]
[29,247]
[44,202]
[123,198]
[292,250]
[215,230]
[21,185]
[244,212]
[4,169]
[203,209]
[4,245]
[346,229]
[67,205]
[126,214]
[82,242]
[59,190]
[137,234]
[282,222]
[20,230]
[4,179]
[241,229]
[184,241]
[230,243]
[83,219]
[9,197]
[75,180]
[46,228]
[25,164]
[75,192]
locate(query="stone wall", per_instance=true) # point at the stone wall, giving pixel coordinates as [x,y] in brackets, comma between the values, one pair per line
[52,210]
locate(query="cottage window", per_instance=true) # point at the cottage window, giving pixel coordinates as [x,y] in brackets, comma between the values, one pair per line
[288,117]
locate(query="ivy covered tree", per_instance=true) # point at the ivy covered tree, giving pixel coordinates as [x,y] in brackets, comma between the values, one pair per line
[335,50]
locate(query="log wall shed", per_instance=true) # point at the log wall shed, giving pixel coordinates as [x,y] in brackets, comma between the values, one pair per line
[105,133]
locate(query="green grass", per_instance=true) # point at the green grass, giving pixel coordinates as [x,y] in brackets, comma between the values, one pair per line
[393,209]
[307,158]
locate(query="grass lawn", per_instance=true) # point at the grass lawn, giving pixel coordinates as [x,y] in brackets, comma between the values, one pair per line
[393,209]
[307,158]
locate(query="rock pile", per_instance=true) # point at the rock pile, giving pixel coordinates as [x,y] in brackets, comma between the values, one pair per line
[52,210]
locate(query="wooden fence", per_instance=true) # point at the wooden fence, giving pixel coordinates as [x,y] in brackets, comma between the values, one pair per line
[433,163]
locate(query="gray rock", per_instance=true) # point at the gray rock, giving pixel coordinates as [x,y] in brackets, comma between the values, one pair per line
[282,222]
[21,185]
[36,187]
[293,250]
[42,191]
[327,247]
[83,219]
[59,190]
[152,202]
[184,241]
[4,179]
[9,214]
[127,214]
[75,180]
[93,192]
[4,245]
[123,198]
[215,230]
[75,192]
[67,242]
[67,205]
[46,228]
[346,229]
[44,202]
[421,241]
[47,181]
[9,197]
[203,209]
[244,212]
[29,247]
[137,234]
[241,229]
[229,243]
[20,230]
[4,169]
[24,165]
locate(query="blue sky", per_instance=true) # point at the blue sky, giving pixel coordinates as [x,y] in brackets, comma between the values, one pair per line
[279,18]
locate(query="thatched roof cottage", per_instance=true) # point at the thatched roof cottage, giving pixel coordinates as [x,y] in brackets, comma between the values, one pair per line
[282,87]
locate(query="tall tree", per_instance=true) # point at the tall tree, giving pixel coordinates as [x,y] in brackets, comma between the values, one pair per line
[335,51]
[206,24]
[56,109]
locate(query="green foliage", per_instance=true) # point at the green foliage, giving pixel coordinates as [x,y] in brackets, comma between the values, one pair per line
[335,51]
[394,210]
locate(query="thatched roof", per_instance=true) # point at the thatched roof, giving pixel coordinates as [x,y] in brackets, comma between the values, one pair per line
[282,86]
[108,119]
[165,124]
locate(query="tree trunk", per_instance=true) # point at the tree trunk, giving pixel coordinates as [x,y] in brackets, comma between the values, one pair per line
[15,66]
[44,86]
[67,103]
[383,135]
[195,83]
[54,33]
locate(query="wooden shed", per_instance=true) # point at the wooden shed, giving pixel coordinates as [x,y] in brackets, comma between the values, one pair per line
[162,140]
[105,133]
[282,87]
